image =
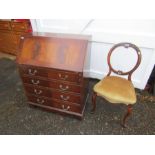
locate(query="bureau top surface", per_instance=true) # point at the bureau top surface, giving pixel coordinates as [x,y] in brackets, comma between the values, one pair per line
[65,52]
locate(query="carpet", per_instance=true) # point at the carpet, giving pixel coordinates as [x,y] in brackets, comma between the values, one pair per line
[17,118]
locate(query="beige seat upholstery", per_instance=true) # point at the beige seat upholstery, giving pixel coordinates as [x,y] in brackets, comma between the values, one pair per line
[116,90]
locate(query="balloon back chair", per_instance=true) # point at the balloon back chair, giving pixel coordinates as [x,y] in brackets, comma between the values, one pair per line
[116,89]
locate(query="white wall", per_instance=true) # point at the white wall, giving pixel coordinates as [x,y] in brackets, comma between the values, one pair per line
[105,33]
[59,26]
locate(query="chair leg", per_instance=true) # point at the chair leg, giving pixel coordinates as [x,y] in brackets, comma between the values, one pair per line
[94,102]
[129,110]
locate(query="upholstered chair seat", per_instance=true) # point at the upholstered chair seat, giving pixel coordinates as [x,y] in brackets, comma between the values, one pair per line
[116,90]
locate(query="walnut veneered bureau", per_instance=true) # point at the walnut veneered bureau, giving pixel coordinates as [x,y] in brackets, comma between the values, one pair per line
[53,68]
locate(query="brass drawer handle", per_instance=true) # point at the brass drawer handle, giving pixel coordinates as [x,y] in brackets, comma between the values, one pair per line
[66,109]
[40,101]
[37,91]
[64,98]
[63,78]
[32,73]
[63,88]
[35,82]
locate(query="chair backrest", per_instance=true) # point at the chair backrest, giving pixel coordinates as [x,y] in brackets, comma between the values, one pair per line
[119,72]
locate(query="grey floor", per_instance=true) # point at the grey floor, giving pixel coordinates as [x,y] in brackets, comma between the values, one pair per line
[16,117]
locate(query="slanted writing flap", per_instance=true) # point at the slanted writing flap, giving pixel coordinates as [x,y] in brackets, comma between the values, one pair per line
[53,52]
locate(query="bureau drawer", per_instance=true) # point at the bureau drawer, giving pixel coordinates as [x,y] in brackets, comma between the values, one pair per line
[66,97]
[36,90]
[5,26]
[39,100]
[18,26]
[63,106]
[66,106]
[35,81]
[33,71]
[51,74]
[65,86]
[65,76]
[63,96]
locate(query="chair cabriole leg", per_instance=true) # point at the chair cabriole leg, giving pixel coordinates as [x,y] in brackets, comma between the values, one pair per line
[129,110]
[94,102]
